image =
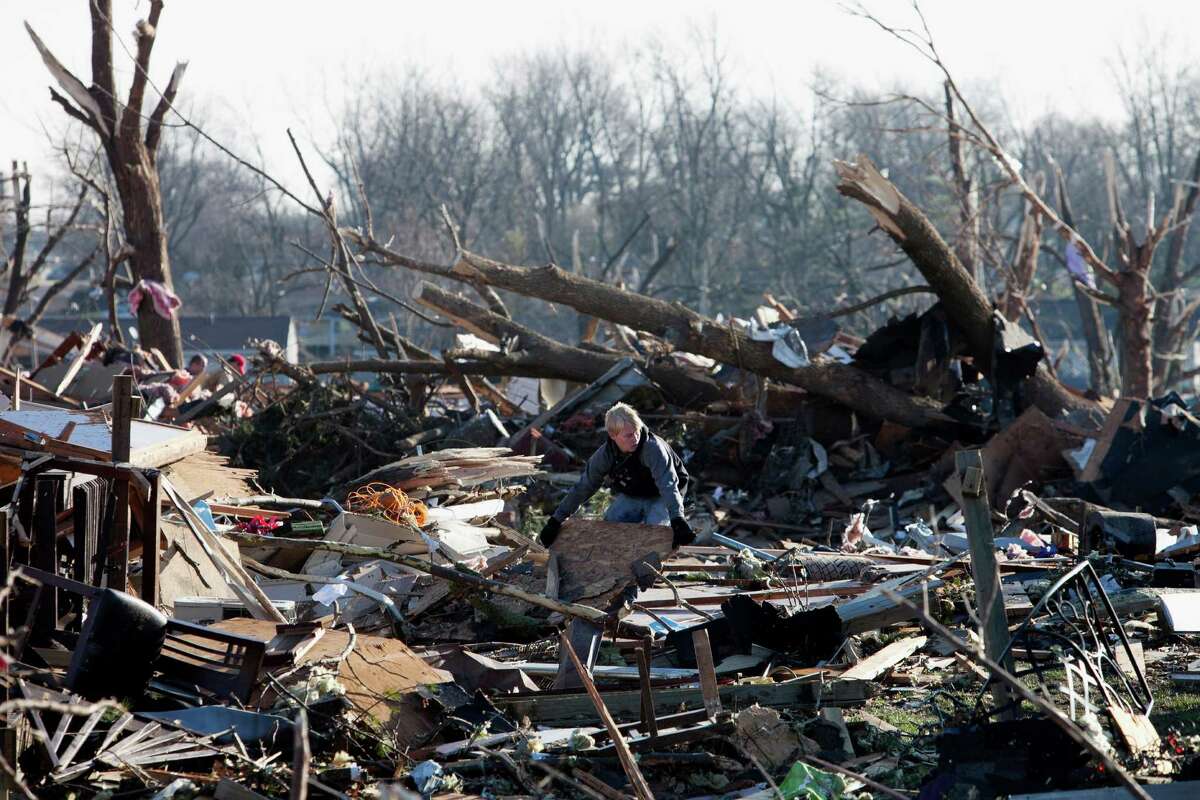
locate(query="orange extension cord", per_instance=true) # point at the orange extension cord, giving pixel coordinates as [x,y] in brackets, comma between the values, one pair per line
[389,501]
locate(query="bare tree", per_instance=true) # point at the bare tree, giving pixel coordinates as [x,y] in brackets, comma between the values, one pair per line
[131,149]
[28,272]
[1131,278]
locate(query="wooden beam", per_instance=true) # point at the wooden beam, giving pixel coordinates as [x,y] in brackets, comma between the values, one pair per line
[649,718]
[875,665]
[625,705]
[151,557]
[708,672]
[640,787]
[85,347]
[977,515]
[118,541]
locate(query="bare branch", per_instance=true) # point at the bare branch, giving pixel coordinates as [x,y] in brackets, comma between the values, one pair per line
[165,103]
[55,288]
[72,86]
[145,32]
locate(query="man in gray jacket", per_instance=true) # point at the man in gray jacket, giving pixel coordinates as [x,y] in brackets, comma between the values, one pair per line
[646,475]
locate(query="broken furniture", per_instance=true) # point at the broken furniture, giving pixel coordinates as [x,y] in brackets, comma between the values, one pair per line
[1081,661]
[124,641]
[77,743]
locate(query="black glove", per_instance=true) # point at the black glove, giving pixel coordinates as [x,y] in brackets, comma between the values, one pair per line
[549,532]
[683,533]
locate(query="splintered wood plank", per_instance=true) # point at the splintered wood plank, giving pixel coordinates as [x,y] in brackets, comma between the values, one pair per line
[1136,730]
[874,666]
[708,673]
[649,718]
[85,348]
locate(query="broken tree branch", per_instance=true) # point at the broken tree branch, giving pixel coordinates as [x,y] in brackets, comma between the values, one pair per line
[683,328]
[963,299]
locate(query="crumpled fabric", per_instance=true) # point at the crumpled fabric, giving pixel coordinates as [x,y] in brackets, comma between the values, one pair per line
[1079,269]
[165,301]
[156,391]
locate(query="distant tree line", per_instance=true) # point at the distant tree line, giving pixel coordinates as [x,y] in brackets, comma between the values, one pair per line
[666,174]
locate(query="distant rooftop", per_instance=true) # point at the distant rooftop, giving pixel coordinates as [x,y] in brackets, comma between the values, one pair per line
[213,332]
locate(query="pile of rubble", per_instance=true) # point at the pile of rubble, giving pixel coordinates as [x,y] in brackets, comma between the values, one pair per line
[924,566]
[867,610]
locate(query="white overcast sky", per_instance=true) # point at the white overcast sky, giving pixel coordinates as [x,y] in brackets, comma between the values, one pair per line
[259,66]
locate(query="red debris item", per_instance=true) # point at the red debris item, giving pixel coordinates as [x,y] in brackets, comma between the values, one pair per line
[263,526]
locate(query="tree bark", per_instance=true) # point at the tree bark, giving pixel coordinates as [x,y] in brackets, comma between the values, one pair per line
[683,328]
[1135,294]
[962,297]
[146,232]
[1135,303]
[1170,333]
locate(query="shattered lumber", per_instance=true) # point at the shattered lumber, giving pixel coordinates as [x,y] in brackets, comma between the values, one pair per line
[459,576]
[636,779]
[683,328]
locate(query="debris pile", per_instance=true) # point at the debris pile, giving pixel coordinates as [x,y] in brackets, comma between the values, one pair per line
[910,562]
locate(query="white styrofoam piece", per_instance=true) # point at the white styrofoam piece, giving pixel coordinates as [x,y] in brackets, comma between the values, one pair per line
[1181,611]
[466,511]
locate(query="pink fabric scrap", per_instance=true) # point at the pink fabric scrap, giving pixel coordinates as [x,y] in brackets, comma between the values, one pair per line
[1032,539]
[165,301]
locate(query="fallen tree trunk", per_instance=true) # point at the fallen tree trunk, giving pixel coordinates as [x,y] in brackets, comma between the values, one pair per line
[683,328]
[573,363]
[962,297]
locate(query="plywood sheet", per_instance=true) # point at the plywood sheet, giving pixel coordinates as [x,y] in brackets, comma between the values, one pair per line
[187,570]
[204,472]
[380,675]
[595,558]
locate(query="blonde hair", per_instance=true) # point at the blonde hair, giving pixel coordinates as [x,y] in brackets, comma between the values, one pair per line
[622,416]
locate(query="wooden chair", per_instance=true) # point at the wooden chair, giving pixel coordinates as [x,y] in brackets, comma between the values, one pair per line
[222,664]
